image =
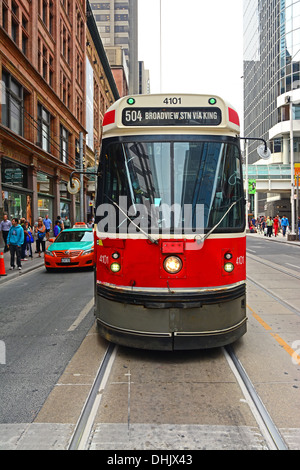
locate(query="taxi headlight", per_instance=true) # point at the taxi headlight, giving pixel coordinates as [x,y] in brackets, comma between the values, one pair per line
[48,252]
[229,267]
[87,252]
[173,264]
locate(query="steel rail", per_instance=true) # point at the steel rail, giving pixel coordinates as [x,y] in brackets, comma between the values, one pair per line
[267,427]
[84,424]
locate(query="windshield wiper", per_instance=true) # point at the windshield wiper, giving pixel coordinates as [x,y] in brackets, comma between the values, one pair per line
[201,240]
[152,240]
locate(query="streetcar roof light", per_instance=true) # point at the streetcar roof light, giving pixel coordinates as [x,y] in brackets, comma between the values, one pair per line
[212,100]
[131,101]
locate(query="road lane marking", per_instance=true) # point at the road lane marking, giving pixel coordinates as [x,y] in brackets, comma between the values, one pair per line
[279,340]
[251,251]
[294,265]
[82,315]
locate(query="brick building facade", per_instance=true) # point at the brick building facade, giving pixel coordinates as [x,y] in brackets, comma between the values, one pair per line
[49,60]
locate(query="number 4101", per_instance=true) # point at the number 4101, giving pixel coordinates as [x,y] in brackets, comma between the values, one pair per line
[172,100]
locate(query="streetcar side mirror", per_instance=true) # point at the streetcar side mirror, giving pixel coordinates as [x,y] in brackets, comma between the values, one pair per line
[264,152]
[73,185]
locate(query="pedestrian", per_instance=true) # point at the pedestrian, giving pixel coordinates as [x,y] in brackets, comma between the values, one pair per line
[24,246]
[15,240]
[60,222]
[276,225]
[56,229]
[284,224]
[269,226]
[4,227]
[67,222]
[48,224]
[40,230]
[29,239]
[299,227]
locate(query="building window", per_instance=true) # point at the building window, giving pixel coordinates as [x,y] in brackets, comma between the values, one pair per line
[12,110]
[121,17]
[64,144]
[44,128]
[14,174]
[77,154]
[4,17]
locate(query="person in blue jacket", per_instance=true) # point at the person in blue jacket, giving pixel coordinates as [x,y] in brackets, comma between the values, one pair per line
[284,224]
[15,240]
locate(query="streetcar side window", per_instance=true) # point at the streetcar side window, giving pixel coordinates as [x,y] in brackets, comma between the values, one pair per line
[229,189]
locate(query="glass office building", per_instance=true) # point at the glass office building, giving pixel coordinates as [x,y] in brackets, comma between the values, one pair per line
[271,70]
[117,22]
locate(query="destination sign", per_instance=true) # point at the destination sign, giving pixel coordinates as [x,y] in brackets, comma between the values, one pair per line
[211,116]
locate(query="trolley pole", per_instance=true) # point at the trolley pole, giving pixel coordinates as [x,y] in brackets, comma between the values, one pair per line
[160,45]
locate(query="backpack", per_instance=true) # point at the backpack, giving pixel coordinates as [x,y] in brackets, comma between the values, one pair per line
[41,236]
[29,238]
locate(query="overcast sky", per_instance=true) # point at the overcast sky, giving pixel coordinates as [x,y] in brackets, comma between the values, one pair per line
[202,47]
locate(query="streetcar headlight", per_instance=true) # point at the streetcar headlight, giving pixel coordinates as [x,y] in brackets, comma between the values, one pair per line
[173,264]
[229,267]
[228,255]
[115,267]
[115,255]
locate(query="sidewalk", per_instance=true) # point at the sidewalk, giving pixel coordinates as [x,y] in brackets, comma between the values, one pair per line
[279,239]
[27,266]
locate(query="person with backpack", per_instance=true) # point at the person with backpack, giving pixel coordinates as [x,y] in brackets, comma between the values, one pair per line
[40,231]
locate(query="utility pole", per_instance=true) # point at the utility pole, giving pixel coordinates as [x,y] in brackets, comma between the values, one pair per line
[81,177]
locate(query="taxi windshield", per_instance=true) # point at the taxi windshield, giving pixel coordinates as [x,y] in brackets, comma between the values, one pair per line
[74,236]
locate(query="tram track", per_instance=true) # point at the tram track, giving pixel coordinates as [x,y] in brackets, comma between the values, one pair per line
[265,423]
[272,265]
[81,438]
[85,422]
[269,292]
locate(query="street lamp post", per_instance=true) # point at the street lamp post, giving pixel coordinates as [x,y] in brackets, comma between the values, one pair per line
[247,184]
[292,170]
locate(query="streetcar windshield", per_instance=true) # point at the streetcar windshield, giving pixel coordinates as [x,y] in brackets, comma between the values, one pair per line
[178,183]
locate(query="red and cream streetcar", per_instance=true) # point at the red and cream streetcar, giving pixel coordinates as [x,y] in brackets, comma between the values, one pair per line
[170,224]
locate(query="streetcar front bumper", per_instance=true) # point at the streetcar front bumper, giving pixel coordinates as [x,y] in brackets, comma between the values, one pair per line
[182,319]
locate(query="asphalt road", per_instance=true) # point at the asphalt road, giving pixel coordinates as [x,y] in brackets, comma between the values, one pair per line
[285,255]
[38,313]
[51,363]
